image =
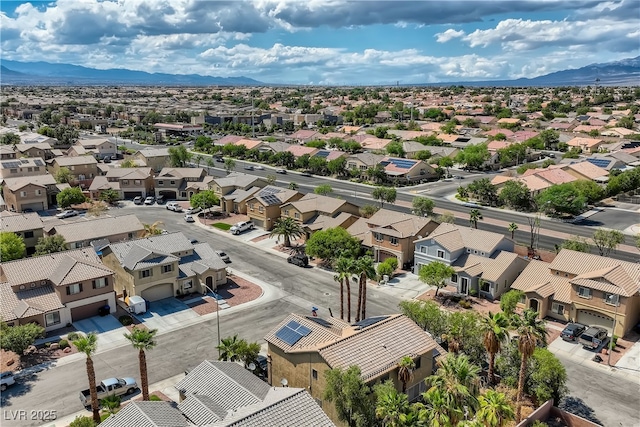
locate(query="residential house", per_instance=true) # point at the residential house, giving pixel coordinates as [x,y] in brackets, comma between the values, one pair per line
[372,143]
[274,147]
[587,170]
[26,225]
[172,183]
[329,155]
[302,150]
[35,193]
[263,208]
[43,150]
[303,136]
[15,168]
[81,233]
[55,290]
[154,158]
[250,144]
[391,234]
[587,145]
[301,349]
[407,169]
[363,161]
[99,148]
[233,189]
[147,414]
[7,153]
[83,168]
[164,266]
[585,288]
[128,182]
[484,262]
[315,212]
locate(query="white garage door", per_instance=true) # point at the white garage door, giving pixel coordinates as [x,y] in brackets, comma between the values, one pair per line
[592,318]
[158,292]
[39,206]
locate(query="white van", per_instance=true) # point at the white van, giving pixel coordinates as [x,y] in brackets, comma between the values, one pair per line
[174,206]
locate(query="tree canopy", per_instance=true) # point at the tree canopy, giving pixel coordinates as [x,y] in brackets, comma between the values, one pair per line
[423,206]
[473,156]
[330,243]
[204,199]
[435,274]
[70,196]
[11,246]
[50,244]
[179,157]
[561,199]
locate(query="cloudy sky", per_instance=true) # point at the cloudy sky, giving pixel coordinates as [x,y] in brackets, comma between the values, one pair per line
[324,41]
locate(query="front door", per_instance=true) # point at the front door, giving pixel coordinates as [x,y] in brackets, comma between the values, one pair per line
[533,304]
[464,285]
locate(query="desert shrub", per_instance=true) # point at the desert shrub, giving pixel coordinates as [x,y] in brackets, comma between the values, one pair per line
[82,422]
[126,320]
[392,262]
[63,344]
[384,269]
[72,336]
[154,398]
[464,304]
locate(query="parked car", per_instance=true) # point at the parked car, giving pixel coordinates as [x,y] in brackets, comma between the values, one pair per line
[189,218]
[149,200]
[259,168]
[572,331]
[117,386]
[593,337]
[174,206]
[472,205]
[306,173]
[249,168]
[301,260]
[219,160]
[68,213]
[192,211]
[282,171]
[6,380]
[106,160]
[223,256]
[114,157]
[241,227]
[138,200]
[160,199]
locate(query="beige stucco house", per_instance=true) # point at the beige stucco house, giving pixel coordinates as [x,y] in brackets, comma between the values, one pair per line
[26,225]
[263,208]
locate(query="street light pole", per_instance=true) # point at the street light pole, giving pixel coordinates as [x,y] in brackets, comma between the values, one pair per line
[613,331]
[217,316]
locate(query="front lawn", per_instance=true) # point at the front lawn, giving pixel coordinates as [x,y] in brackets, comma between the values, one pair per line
[221,226]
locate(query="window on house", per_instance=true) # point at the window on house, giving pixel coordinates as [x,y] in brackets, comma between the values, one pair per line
[183,194]
[454,278]
[286,212]
[145,273]
[378,237]
[418,362]
[485,286]
[584,292]
[423,249]
[99,283]
[79,244]
[52,318]
[394,241]
[188,284]
[260,209]
[296,215]
[167,268]
[314,374]
[557,308]
[173,183]
[136,181]
[130,235]
[160,182]
[13,170]
[23,194]
[36,169]
[125,182]
[76,288]
[28,234]
[440,254]
[611,299]
[38,192]
[523,299]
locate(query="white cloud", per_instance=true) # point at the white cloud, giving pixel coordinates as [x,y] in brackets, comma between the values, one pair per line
[449,35]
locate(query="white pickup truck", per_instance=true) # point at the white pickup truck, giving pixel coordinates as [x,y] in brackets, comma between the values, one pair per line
[117,386]
[241,227]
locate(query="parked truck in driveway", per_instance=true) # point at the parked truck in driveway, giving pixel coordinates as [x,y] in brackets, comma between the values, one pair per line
[117,386]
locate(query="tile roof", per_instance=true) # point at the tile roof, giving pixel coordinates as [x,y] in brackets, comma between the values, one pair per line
[181,173]
[587,169]
[301,150]
[18,222]
[312,202]
[61,268]
[147,414]
[537,277]
[201,409]
[202,259]
[453,237]
[240,195]
[154,152]
[74,161]
[143,253]
[129,173]
[272,195]
[228,139]
[102,183]
[30,302]
[88,229]
[584,142]
[237,180]
[330,331]
[387,221]
[489,269]
[14,184]
[323,222]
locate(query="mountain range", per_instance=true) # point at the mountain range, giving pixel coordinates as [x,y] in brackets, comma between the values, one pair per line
[619,73]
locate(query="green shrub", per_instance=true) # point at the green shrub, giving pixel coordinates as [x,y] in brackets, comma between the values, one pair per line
[154,398]
[104,416]
[538,423]
[82,422]
[72,336]
[126,320]
[614,341]
[464,304]
[392,262]
[222,226]
[63,344]
[384,269]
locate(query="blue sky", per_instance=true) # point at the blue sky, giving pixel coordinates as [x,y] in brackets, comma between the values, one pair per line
[325,41]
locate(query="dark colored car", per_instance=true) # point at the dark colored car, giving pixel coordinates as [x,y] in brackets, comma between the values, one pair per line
[249,168]
[572,331]
[219,160]
[593,337]
[300,260]
[306,173]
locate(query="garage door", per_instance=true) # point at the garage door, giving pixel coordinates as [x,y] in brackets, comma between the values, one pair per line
[89,310]
[257,222]
[158,292]
[132,194]
[592,318]
[33,206]
[168,195]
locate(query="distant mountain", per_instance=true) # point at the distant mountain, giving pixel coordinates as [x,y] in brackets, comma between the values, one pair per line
[45,73]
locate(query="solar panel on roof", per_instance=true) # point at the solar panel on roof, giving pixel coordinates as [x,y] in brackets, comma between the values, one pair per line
[288,335]
[11,165]
[293,325]
[323,154]
[298,328]
[602,163]
[38,162]
[24,161]
[320,321]
[370,321]
[385,163]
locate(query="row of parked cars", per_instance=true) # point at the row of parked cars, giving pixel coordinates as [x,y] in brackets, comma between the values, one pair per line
[588,336]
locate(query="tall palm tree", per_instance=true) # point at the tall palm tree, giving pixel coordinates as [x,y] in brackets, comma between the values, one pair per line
[230,348]
[363,268]
[530,331]
[512,228]
[286,227]
[474,217]
[88,345]
[390,406]
[143,339]
[152,229]
[343,269]
[440,410]
[406,365]
[495,409]
[495,333]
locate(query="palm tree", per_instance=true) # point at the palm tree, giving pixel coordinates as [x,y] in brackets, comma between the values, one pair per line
[363,267]
[249,352]
[293,185]
[210,163]
[495,333]
[111,403]
[230,348]
[88,345]
[343,269]
[495,409]
[440,411]
[390,407]
[406,365]
[512,228]
[143,339]
[474,217]
[152,229]
[530,331]
[286,227]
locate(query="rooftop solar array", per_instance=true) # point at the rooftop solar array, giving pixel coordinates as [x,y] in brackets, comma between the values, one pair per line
[268,191]
[403,163]
[601,163]
[384,163]
[292,332]
[38,162]
[320,321]
[14,164]
[270,200]
[324,154]
[369,321]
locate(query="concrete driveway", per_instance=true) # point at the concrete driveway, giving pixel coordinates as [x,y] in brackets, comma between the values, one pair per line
[108,327]
[575,350]
[166,314]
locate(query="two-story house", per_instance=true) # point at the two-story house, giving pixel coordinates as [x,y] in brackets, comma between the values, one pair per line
[98,148]
[235,189]
[484,262]
[128,182]
[154,158]
[315,212]
[164,266]
[172,183]
[584,288]
[56,289]
[42,150]
[31,193]
[16,168]
[26,225]
[301,349]
[83,168]
[81,233]
[391,234]
[263,208]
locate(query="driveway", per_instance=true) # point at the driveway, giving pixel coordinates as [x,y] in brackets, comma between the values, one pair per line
[108,327]
[575,351]
[167,314]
